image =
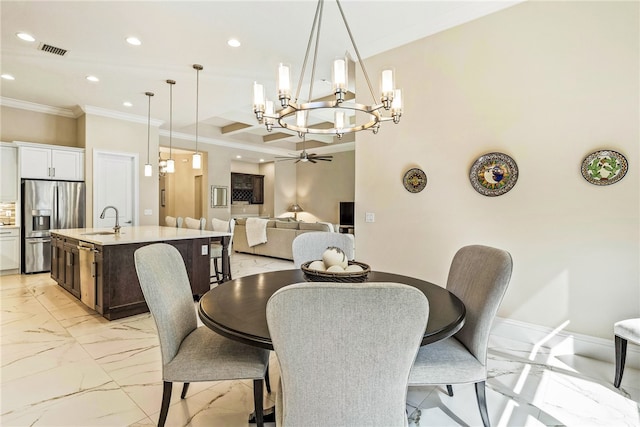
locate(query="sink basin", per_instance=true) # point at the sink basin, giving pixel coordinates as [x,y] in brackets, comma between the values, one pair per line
[99,233]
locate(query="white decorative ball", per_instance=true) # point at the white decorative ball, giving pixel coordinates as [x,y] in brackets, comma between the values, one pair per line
[334,256]
[317,265]
[353,268]
[335,269]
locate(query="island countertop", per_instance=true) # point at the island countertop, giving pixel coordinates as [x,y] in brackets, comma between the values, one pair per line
[139,234]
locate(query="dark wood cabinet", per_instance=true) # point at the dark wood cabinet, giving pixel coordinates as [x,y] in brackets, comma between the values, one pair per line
[247,188]
[113,273]
[257,197]
[57,258]
[65,265]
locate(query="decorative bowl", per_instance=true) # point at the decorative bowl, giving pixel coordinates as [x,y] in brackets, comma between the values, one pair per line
[332,276]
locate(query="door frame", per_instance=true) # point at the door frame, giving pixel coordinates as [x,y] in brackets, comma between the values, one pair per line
[136,181]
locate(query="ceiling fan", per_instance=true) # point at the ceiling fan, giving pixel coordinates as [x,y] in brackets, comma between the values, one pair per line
[304,156]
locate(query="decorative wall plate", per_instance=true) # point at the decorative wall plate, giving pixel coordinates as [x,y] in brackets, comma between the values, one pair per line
[493,174]
[604,167]
[414,180]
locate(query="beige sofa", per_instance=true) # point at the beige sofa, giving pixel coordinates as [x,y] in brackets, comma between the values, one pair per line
[280,235]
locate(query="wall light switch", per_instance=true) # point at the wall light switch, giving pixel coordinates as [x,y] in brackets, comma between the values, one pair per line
[369,217]
[205,249]
[148,212]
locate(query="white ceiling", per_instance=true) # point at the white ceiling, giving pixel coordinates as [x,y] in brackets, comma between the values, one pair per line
[177,34]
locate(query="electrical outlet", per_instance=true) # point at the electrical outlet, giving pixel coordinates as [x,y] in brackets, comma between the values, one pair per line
[148,212]
[205,249]
[369,217]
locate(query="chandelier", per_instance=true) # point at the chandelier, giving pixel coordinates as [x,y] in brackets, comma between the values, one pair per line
[294,114]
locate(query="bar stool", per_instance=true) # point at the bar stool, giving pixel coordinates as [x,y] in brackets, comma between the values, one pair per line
[624,330]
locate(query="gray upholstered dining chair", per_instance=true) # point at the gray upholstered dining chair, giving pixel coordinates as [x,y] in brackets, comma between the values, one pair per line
[310,246]
[332,339]
[191,353]
[479,276]
[196,224]
[624,330]
[216,247]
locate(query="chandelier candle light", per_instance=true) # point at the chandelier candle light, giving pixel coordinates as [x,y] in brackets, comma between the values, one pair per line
[148,170]
[171,166]
[197,157]
[390,99]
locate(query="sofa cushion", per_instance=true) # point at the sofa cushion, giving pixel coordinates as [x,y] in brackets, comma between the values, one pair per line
[271,223]
[288,225]
[317,226]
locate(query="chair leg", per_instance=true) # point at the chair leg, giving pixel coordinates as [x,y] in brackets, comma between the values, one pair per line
[482,403]
[266,380]
[185,387]
[166,399]
[449,390]
[217,271]
[257,402]
[621,356]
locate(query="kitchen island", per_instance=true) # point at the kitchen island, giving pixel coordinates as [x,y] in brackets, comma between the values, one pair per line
[97,266]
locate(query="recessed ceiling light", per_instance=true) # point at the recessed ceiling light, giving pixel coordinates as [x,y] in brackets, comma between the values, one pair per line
[134,41]
[233,42]
[238,156]
[261,160]
[93,79]
[8,77]
[127,104]
[26,37]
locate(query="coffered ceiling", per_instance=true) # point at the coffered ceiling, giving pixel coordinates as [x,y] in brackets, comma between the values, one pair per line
[177,34]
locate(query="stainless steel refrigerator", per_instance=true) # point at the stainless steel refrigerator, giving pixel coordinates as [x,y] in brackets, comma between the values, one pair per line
[48,205]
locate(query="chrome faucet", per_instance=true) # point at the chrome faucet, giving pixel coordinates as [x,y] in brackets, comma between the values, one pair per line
[117,226]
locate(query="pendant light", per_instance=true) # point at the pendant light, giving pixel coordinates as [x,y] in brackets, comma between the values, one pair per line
[197,157]
[148,170]
[171,165]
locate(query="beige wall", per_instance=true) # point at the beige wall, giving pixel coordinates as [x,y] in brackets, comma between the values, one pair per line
[183,187]
[107,134]
[268,170]
[322,186]
[22,125]
[547,96]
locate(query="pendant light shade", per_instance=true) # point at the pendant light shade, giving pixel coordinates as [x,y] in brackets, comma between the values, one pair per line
[148,169]
[196,162]
[171,165]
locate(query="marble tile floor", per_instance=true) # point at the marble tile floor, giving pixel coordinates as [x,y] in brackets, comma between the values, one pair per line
[64,365]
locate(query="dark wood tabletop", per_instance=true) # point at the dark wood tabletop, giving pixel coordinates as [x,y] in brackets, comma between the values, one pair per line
[237,309]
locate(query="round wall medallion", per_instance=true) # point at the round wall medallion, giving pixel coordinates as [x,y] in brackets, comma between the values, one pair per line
[493,174]
[604,167]
[414,180]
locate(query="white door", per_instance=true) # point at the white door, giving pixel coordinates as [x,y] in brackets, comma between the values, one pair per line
[115,184]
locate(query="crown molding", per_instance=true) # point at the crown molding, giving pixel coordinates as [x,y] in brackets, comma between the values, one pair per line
[39,108]
[103,112]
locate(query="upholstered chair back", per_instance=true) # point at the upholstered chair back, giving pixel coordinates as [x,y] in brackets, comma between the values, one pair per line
[196,224]
[170,221]
[479,276]
[310,246]
[165,285]
[345,351]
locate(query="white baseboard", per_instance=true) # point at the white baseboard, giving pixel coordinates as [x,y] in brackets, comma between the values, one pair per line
[564,343]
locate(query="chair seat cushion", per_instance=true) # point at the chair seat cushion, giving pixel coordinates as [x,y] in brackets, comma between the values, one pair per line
[216,250]
[628,329]
[446,362]
[207,356]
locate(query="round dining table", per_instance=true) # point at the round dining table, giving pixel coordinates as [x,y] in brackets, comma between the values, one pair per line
[237,309]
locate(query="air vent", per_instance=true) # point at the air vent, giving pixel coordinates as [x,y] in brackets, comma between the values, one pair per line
[52,49]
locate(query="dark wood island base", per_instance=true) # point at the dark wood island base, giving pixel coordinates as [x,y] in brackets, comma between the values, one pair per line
[109,270]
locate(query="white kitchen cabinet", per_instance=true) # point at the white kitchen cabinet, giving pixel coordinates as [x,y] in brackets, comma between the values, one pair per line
[43,162]
[8,174]
[9,248]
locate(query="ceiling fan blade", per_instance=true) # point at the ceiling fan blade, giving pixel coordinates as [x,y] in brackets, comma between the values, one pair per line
[297,160]
[312,160]
[324,160]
